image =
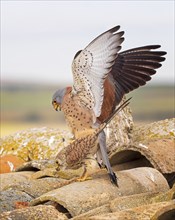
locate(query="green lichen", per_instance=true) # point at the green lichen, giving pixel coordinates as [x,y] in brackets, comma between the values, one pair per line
[154,131]
[35,144]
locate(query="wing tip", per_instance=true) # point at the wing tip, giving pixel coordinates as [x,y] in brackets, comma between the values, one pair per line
[114,29]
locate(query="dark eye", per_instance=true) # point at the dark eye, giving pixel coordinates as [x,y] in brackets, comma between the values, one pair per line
[54,102]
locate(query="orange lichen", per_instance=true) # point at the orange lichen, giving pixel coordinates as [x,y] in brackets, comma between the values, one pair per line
[9,162]
[20,204]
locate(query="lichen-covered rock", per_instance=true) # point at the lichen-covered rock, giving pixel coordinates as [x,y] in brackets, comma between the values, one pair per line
[41,212]
[122,131]
[10,199]
[36,143]
[159,154]
[155,142]
[37,187]
[99,191]
[51,168]
[132,201]
[129,147]
[129,202]
[9,179]
[154,131]
[145,212]
[37,165]
[165,212]
[8,163]
[119,130]
[93,212]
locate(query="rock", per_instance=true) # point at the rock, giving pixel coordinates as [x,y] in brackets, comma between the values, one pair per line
[93,212]
[11,199]
[41,212]
[8,163]
[166,212]
[132,201]
[37,165]
[158,153]
[119,130]
[129,202]
[10,179]
[146,212]
[50,168]
[151,145]
[143,192]
[33,186]
[154,131]
[35,144]
[99,191]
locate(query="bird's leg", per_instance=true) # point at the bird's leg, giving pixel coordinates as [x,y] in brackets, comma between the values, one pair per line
[84,176]
[90,167]
[103,148]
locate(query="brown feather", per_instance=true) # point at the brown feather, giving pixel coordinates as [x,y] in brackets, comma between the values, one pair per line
[109,100]
[78,117]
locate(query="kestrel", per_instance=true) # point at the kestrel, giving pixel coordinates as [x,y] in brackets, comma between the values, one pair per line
[73,156]
[102,76]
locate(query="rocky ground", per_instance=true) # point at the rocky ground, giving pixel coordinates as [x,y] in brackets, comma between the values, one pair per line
[143,158]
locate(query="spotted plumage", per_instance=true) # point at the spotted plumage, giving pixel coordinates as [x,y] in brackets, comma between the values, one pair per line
[102,75]
[73,155]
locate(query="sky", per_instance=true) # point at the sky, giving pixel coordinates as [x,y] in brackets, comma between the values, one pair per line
[40,38]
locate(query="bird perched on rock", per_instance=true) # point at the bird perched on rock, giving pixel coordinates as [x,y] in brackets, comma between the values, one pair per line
[74,155]
[102,76]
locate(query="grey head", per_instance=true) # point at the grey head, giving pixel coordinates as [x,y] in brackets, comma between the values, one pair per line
[57,98]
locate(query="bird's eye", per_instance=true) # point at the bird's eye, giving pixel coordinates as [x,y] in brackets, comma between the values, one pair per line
[53,102]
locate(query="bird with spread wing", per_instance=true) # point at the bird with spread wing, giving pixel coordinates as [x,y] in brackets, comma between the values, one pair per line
[102,76]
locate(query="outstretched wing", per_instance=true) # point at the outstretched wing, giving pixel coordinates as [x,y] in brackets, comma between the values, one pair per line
[91,66]
[134,67]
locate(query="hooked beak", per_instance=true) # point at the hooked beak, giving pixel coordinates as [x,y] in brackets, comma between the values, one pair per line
[56,106]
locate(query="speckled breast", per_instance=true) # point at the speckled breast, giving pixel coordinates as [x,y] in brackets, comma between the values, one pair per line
[78,117]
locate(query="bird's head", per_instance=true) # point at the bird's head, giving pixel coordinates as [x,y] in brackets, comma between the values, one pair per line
[57,98]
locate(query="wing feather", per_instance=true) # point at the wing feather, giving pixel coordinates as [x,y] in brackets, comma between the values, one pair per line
[134,67]
[91,66]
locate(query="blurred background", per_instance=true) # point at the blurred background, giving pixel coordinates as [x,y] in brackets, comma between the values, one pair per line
[40,38]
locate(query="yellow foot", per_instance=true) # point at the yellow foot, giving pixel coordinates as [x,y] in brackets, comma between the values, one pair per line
[84,176]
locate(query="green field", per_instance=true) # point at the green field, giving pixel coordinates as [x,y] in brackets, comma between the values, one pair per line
[153,103]
[25,107]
